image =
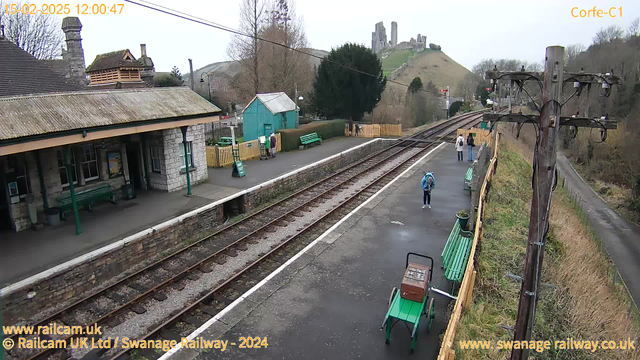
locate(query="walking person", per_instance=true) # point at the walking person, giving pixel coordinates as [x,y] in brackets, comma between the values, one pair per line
[470,145]
[460,147]
[428,183]
[273,144]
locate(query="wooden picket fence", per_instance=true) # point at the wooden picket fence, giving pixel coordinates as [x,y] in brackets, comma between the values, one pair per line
[465,294]
[481,135]
[375,130]
[223,156]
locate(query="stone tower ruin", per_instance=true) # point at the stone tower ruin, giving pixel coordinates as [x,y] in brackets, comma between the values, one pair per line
[394,33]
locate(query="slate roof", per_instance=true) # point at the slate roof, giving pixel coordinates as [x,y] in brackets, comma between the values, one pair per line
[24,116]
[276,102]
[113,60]
[21,73]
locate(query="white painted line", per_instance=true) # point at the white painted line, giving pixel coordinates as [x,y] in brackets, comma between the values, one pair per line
[141,234]
[257,286]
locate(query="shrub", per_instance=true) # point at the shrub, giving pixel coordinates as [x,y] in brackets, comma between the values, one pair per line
[325,129]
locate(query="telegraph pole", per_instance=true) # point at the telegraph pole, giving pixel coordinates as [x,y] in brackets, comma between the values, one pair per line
[544,179]
[543,182]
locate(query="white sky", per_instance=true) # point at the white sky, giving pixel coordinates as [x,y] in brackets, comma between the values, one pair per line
[468,31]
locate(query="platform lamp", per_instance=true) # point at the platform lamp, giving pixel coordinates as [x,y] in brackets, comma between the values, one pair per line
[208,83]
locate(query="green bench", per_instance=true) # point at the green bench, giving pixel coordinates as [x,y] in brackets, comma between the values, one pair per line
[456,253]
[310,139]
[86,198]
[467,178]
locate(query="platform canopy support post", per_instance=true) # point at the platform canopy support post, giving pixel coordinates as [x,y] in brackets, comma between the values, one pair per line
[70,175]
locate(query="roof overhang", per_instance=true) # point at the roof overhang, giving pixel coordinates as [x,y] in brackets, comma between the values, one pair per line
[31,143]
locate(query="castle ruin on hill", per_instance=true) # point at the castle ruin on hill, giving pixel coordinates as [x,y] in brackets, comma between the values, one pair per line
[379,41]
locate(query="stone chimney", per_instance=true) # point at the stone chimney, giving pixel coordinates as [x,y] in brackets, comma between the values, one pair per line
[74,55]
[149,70]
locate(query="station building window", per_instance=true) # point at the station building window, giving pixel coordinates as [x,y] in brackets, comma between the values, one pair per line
[17,177]
[64,178]
[189,155]
[90,163]
[156,158]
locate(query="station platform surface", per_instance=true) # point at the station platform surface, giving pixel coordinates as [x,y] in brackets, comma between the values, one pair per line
[29,252]
[330,302]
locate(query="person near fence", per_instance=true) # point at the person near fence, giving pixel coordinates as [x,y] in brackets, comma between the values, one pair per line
[357,129]
[460,147]
[428,183]
[470,145]
[272,143]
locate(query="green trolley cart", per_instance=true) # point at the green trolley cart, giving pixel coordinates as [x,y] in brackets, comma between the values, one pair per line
[408,311]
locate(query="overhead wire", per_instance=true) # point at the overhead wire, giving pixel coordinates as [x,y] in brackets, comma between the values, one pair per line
[201,21]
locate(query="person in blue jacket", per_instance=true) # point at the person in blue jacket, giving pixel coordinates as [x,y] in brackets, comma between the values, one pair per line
[428,183]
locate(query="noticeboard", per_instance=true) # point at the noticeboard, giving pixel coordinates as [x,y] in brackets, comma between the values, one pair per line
[114,163]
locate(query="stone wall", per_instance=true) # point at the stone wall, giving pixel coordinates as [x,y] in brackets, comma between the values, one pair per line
[175,175]
[308,176]
[96,271]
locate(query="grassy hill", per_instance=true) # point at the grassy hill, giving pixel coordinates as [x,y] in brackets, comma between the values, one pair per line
[429,65]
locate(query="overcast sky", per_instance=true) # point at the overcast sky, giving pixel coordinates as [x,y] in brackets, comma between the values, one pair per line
[468,31]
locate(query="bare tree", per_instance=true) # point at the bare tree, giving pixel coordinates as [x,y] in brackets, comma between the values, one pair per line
[571,53]
[38,34]
[467,86]
[608,34]
[286,67]
[634,28]
[246,50]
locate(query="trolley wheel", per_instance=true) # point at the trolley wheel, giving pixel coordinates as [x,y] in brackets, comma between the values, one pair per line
[431,306]
[393,293]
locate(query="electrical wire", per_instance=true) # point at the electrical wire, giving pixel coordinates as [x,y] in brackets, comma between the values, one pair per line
[189,17]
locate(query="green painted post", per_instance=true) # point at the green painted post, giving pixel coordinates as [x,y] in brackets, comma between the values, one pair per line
[186,158]
[74,204]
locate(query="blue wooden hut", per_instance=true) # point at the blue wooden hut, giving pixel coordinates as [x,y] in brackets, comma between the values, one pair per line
[268,113]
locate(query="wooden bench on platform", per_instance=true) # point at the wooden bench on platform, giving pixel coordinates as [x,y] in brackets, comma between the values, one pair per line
[86,198]
[456,253]
[310,139]
[467,178]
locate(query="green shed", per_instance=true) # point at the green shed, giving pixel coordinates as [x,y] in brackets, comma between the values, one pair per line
[268,113]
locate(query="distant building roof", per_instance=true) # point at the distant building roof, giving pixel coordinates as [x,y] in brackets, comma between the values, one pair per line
[24,116]
[275,102]
[114,60]
[21,73]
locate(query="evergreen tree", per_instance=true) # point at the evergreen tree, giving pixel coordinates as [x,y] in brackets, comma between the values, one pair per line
[175,73]
[416,85]
[342,92]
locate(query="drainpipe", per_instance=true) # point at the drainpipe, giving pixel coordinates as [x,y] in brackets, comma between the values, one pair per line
[186,158]
[74,204]
[43,188]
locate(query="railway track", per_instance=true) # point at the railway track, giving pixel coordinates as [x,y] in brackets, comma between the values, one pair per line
[115,305]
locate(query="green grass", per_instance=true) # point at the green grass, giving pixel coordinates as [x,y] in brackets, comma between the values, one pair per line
[502,250]
[395,60]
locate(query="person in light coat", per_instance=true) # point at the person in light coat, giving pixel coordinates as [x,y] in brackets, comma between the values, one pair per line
[460,147]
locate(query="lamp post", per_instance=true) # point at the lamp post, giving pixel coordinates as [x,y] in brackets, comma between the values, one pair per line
[208,83]
[297,111]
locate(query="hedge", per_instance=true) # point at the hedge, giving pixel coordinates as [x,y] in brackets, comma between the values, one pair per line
[326,130]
